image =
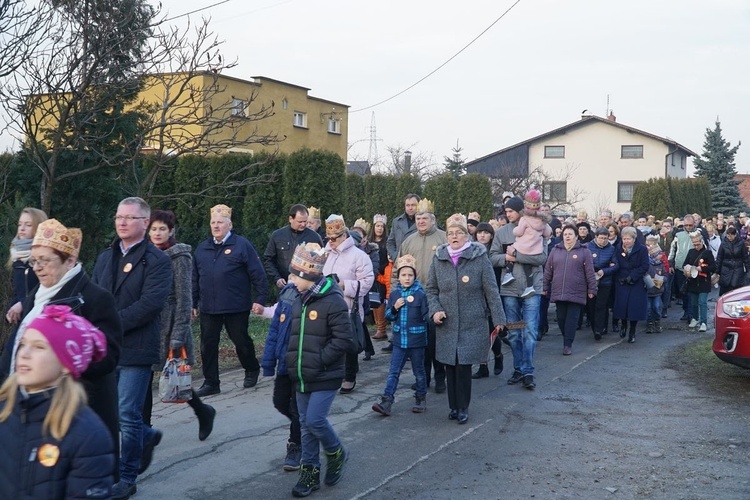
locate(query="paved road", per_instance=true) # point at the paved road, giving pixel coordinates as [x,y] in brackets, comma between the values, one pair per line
[610,421]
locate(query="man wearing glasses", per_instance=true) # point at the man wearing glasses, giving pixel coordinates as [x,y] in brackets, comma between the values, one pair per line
[422,245]
[139,276]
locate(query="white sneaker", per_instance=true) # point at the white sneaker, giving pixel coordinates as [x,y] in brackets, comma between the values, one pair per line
[693,323]
[702,328]
[528,292]
[508,279]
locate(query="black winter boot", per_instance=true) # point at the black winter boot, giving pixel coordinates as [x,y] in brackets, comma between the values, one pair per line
[309,481]
[498,364]
[481,372]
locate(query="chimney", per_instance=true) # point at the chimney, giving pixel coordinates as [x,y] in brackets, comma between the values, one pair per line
[407,162]
[611,117]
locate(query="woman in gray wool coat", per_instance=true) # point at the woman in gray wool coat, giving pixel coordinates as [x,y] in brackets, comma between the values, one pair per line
[176,332]
[460,286]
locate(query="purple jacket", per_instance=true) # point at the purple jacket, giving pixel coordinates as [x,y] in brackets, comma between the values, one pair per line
[569,275]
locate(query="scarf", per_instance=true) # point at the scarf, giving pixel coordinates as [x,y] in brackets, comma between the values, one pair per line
[20,249]
[167,244]
[41,298]
[455,254]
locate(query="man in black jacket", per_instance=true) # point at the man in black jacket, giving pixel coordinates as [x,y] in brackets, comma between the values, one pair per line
[226,269]
[282,243]
[139,276]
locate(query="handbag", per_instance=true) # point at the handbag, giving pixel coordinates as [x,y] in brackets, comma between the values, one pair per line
[175,381]
[374,298]
[358,329]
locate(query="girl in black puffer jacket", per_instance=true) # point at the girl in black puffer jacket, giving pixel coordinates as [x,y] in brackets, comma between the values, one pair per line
[54,446]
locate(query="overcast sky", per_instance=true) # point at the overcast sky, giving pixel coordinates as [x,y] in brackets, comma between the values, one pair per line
[670,67]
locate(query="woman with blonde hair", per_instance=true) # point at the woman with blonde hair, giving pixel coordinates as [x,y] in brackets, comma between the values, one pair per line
[24,280]
[54,446]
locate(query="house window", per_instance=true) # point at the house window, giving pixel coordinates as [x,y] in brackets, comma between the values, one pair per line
[625,191]
[631,152]
[300,119]
[554,151]
[334,126]
[555,191]
[238,107]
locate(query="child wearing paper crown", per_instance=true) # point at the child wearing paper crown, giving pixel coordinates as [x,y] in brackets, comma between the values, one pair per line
[533,227]
[53,445]
[407,309]
[319,337]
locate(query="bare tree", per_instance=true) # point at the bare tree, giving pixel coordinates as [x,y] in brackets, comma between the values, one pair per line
[543,180]
[75,100]
[404,160]
[21,29]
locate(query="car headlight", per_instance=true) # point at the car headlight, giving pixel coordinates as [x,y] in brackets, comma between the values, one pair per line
[737,309]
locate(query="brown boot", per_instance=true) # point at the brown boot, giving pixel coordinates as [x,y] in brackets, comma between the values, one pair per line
[380,323]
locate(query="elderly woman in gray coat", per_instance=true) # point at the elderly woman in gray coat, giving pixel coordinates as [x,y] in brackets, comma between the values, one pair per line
[460,286]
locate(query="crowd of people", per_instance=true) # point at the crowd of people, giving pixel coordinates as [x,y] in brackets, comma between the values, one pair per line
[451,297]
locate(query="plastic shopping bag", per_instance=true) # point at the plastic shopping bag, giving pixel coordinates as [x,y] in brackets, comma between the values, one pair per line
[175,381]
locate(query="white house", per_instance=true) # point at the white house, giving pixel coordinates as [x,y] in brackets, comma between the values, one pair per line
[589,164]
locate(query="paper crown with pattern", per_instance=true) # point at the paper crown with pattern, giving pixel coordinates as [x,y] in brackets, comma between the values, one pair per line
[457,220]
[380,218]
[425,206]
[222,211]
[406,261]
[308,261]
[532,200]
[335,225]
[313,213]
[362,224]
[474,218]
[51,233]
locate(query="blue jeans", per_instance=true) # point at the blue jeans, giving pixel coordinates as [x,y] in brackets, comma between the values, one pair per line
[398,359]
[523,342]
[699,306]
[654,308]
[313,410]
[132,386]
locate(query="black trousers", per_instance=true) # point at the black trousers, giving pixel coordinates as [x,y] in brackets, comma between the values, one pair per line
[285,401]
[567,319]
[601,308]
[236,325]
[458,378]
[429,357]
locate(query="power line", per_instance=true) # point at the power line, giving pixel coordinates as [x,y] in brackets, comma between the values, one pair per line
[441,66]
[196,10]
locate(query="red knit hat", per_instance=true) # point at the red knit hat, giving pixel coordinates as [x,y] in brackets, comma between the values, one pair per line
[75,341]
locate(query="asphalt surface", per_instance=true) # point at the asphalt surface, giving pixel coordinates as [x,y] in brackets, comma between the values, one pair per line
[613,420]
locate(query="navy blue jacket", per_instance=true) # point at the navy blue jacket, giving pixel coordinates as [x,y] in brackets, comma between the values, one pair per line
[277,339]
[140,282]
[603,259]
[280,250]
[409,322]
[223,275]
[24,281]
[83,468]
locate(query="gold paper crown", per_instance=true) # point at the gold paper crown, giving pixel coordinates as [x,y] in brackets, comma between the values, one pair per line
[457,220]
[425,206]
[313,213]
[51,233]
[308,261]
[380,218]
[335,225]
[406,261]
[222,211]
[362,224]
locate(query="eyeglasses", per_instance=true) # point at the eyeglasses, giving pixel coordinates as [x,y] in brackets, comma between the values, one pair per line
[41,262]
[126,218]
[454,234]
[334,238]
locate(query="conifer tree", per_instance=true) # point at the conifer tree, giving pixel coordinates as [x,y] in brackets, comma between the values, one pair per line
[455,164]
[716,165]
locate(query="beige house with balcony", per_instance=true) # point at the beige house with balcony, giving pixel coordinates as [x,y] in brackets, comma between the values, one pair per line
[590,164]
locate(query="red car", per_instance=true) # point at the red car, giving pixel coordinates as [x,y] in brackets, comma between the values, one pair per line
[732,341]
